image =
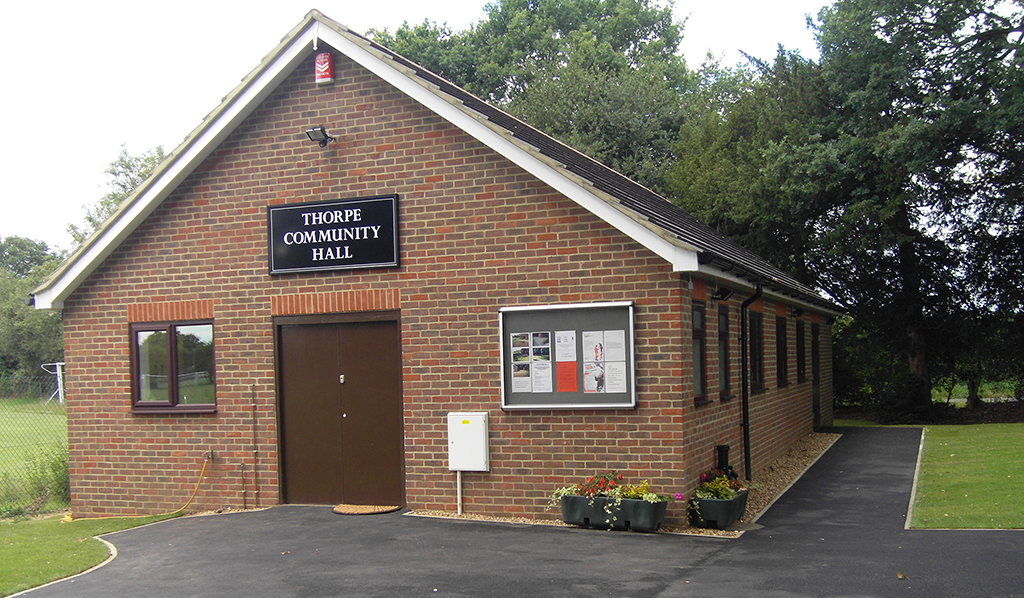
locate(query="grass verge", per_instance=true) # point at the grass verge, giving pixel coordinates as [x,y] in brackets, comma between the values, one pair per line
[971,477]
[35,552]
[854,423]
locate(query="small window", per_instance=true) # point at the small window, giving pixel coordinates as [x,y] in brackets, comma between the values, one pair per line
[724,393]
[781,352]
[699,356]
[801,357]
[172,367]
[756,351]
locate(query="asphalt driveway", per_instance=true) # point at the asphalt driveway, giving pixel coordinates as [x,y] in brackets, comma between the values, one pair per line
[838,532]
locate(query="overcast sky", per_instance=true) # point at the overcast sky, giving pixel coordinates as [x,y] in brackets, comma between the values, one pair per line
[83,79]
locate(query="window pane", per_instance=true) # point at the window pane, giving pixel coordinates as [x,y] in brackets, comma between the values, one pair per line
[153,363]
[698,367]
[699,358]
[723,351]
[801,373]
[195,364]
[756,352]
[781,352]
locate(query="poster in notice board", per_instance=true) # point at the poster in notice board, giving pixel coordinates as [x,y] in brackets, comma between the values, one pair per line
[574,356]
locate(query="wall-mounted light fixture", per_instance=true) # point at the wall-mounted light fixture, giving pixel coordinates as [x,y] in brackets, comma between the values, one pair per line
[319,135]
[722,294]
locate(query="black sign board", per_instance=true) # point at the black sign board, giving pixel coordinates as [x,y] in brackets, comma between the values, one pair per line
[333,235]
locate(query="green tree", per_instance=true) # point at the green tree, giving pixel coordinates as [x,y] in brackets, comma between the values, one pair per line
[928,128]
[521,35]
[624,118]
[20,256]
[727,151]
[898,187]
[28,337]
[124,174]
[603,76]
[502,55]
[437,48]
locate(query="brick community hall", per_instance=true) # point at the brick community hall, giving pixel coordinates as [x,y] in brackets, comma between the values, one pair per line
[350,248]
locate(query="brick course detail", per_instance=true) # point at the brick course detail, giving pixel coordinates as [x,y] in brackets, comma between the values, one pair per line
[167,311]
[341,302]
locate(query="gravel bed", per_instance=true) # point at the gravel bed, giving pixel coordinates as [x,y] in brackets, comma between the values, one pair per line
[766,487]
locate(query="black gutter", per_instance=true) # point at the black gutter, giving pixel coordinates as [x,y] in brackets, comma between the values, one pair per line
[745,375]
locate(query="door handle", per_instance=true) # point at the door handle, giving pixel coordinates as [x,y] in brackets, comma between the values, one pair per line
[341,379]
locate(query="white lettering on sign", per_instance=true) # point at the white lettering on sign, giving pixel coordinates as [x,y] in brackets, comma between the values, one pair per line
[331,235]
[332,217]
[331,253]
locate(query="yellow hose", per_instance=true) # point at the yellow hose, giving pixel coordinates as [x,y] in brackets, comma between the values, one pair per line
[67,518]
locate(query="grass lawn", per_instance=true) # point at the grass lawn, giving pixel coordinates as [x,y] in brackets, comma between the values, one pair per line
[853,423]
[33,456]
[972,477]
[34,552]
[26,425]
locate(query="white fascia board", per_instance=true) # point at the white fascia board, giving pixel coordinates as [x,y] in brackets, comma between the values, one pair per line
[736,283]
[500,140]
[184,161]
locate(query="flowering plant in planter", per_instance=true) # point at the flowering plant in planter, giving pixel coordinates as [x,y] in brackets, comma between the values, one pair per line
[604,484]
[604,501]
[718,484]
[718,501]
[609,485]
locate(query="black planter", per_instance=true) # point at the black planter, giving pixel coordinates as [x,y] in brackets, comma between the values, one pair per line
[717,513]
[607,513]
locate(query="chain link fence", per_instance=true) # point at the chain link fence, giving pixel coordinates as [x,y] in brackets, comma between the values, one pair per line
[33,446]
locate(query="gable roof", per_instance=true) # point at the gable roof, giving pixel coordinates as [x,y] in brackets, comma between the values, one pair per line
[686,243]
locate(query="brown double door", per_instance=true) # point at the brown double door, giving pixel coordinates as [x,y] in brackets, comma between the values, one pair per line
[341,411]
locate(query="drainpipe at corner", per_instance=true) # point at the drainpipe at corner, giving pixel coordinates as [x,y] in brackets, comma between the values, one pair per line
[745,378]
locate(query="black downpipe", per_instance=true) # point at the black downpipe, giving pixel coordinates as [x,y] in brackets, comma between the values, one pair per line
[745,379]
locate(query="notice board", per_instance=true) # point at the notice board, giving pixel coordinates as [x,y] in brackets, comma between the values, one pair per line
[573,356]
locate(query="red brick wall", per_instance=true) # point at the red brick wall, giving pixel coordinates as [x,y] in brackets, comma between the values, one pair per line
[477,233]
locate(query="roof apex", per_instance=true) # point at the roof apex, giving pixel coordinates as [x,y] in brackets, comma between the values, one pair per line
[683,241]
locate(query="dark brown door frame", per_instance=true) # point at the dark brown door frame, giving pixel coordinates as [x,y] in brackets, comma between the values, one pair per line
[317,319]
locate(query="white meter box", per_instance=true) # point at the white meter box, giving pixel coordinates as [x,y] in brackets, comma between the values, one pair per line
[467,441]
